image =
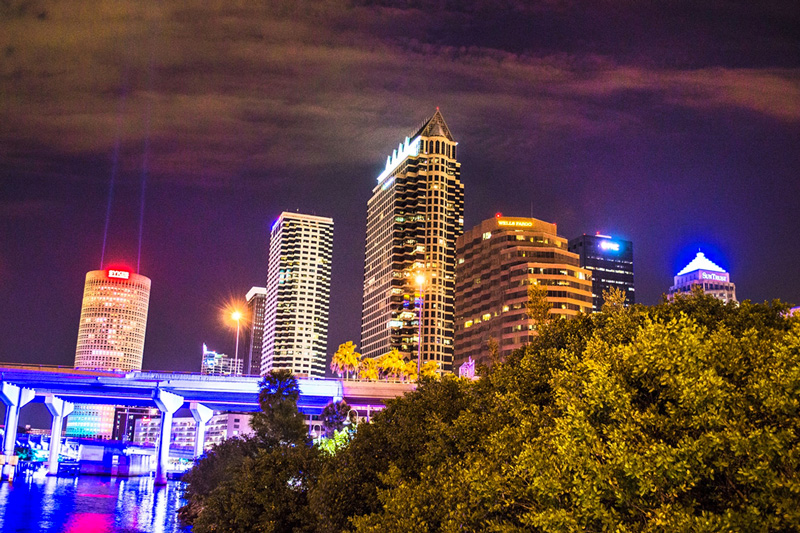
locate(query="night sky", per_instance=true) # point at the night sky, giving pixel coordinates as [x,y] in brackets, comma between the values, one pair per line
[673,124]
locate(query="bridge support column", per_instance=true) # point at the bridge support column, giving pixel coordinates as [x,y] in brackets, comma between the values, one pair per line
[201,415]
[167,403]
[59,409]
[14,397]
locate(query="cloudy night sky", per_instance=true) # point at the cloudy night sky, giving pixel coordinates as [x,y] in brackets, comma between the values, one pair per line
[673,124]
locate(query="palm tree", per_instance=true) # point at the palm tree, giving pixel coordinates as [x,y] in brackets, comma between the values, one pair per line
[346,359]
[369,369]
[410,370]
[334,416]
[430,369]
[391,363]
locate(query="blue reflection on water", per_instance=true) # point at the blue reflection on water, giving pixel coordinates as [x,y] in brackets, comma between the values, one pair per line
[89,504]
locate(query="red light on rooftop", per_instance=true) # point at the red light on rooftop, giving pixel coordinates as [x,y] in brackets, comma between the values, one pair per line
[498,215]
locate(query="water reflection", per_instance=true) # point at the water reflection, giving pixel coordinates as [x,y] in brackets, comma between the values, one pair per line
[90,504]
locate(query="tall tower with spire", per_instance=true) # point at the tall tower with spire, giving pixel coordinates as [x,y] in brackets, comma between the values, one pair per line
[414,217]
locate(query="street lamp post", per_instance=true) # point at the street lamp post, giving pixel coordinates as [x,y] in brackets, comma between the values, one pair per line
[237,316]
[420,279]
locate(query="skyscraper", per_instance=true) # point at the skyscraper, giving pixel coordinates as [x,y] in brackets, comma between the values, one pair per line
[254,331]
[219,364]
[703,273]
[110,337]
[611,263]
[298,295]
[498,260]
[414,216]
[113,321]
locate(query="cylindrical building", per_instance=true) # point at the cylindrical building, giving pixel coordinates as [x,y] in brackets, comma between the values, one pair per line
[113,321]
[110,337]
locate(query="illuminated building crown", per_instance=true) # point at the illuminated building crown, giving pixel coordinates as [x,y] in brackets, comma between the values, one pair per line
[701,262]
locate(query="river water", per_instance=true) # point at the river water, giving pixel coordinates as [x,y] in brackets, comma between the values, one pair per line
[90,504]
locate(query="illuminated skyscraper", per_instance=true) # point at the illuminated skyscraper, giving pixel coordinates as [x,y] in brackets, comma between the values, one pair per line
[113,321]
[110,337]
[498,260]
[414,216]
[298,295]
[703,273]
[611,263]
[254,331]
[219,364]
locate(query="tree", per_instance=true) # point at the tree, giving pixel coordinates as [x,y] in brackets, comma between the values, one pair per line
[537,306]
[268,493]
[391,364]
[369,369]
[430,369]
[613,300]
[259,483]
[345,359]
[410,370]
[679,417]
[210,472]
[334,416]
[279,421]
[493,347]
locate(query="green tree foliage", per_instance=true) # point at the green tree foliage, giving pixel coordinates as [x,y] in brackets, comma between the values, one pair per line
[279,421]
[259,483]
[680,417]
[212,471]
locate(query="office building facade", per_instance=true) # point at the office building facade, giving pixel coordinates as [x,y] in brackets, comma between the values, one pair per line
[611,263]
[110,337]
[125,418]
[220,427]
[254,331]
[414,217]
[498,260]
[298,295]
[220,364]
[704,273]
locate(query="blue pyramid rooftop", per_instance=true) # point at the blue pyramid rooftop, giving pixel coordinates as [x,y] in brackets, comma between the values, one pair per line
[701,262]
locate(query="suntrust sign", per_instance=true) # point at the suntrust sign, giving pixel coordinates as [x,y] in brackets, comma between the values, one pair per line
[711,276]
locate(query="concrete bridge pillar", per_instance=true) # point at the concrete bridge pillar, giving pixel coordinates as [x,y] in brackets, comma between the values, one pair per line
[14,397]
[59,409]
[201,415]
[167,403]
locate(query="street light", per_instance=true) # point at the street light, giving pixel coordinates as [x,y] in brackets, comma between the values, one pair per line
[237,316]
[420,279]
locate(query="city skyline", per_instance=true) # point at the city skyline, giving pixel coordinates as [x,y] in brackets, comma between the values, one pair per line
[680,134]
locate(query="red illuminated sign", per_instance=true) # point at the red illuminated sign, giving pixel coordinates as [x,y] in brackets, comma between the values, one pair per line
[119,274]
